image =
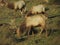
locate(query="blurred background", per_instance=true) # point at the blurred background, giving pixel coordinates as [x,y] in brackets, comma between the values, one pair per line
[10,20]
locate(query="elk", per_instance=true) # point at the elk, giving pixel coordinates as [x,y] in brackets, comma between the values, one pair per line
[38,9]
[17,5]
[33,21]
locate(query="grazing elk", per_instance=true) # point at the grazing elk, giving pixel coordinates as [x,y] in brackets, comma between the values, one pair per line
[15,5]
[37,9]
[33,21]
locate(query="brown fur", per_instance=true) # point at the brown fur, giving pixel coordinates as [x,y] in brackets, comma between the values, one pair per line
[10,5]
[28,27]
[2,2]
[20,30]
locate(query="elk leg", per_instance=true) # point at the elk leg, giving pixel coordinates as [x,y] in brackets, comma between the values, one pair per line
[28,31]
[18,32]
[41,31]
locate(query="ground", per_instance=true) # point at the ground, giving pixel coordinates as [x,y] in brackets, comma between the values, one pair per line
[53,26]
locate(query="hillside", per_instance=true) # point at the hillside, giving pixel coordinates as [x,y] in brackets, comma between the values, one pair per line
[7,37]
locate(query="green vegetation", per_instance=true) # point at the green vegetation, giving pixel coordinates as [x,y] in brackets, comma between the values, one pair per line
[8,37]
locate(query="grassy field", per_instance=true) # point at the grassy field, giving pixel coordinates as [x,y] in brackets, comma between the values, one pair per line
[7,37]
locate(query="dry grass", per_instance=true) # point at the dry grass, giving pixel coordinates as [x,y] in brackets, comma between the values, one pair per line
[7,37]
